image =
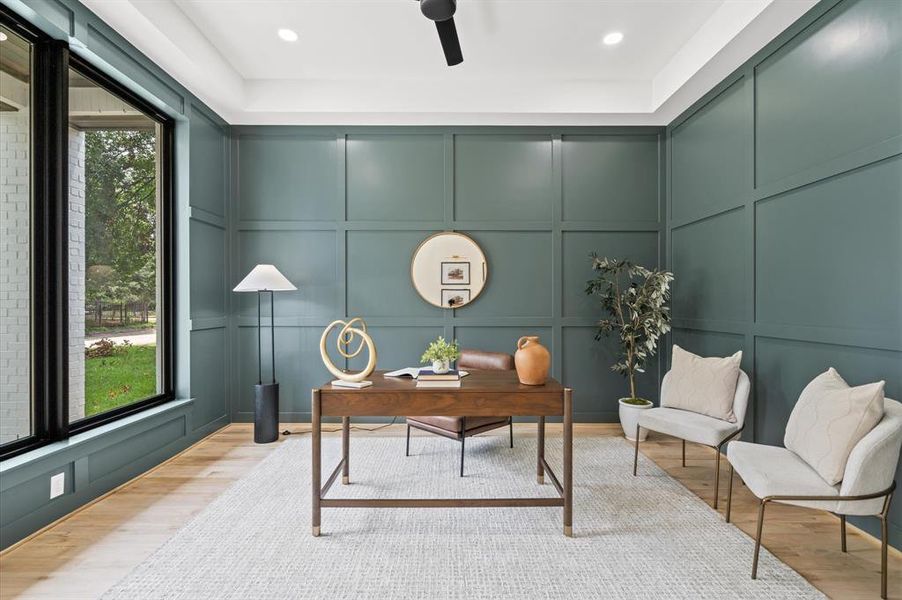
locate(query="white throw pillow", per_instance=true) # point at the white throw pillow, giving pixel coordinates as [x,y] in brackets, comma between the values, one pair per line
[703,385]
[829,419]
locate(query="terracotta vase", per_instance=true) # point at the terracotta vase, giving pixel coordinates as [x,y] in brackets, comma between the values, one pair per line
[532,360]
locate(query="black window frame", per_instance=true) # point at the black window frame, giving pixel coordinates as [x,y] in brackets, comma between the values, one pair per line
[49,187]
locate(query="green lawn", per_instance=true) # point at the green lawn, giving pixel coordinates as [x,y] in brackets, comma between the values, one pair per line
[114,381]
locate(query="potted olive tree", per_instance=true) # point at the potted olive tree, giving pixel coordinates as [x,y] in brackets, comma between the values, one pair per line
[635,299]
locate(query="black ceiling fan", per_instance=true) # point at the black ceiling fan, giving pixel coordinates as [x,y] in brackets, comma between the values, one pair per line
[442,12]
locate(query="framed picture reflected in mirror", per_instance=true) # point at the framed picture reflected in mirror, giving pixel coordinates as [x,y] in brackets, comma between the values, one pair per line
[454,298]
[455,273]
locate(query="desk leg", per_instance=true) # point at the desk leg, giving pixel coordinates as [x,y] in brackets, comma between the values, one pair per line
[345,449]
[568,462]
[316,456]
[540,451]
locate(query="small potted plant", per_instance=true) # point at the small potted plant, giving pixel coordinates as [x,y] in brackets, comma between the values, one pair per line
[441,354]
[635,299]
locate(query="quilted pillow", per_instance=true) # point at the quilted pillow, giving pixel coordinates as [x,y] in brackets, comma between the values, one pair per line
[829,419]
[702,385]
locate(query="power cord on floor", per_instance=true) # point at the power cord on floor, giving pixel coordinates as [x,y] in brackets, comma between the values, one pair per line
[353,428]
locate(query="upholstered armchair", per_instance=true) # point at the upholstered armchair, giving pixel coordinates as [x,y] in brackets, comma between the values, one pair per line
[695,427]
[460,428]
[775,474]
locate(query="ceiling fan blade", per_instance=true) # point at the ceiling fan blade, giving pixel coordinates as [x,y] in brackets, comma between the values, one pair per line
[447,33]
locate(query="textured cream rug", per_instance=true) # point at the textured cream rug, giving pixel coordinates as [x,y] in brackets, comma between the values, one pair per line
[643,537]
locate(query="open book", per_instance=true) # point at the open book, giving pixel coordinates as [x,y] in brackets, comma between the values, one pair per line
[414,372]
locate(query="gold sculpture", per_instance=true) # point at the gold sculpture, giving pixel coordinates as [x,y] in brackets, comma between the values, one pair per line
[345,338]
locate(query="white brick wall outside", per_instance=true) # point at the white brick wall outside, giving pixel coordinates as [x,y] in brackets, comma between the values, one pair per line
[15,362]
[76,274]
[15,259]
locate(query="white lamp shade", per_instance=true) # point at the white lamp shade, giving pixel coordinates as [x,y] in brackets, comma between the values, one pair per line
[264,278]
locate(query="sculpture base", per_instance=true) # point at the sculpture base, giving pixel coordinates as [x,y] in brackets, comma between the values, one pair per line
[352,384]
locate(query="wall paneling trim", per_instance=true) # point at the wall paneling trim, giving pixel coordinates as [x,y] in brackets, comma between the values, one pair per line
[340,211]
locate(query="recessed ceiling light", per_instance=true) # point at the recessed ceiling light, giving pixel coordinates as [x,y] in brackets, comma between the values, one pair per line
[288,35]
[613,38]
[3,37]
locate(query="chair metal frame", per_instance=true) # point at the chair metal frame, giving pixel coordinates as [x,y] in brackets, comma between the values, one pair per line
[887,494]
[716,448]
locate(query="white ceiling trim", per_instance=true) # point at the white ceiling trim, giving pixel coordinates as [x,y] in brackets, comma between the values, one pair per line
[494,96]
[718,31]
[734,32]
[770,22]
[163,32]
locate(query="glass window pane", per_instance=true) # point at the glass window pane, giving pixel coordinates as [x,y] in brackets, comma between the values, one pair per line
[16,411]
[114,289]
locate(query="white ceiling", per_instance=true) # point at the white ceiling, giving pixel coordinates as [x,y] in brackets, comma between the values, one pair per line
[380,61]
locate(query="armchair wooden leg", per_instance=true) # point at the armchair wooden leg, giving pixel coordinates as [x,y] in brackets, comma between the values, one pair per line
[730,493]
[540,451]
[842,532]
[636,455]
[716,477]
[407,452]
[684,453]
[510,423]
[345,450]
[758,539]
[463,441]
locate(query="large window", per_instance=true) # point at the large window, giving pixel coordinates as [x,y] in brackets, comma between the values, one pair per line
[114,251]
[85,245]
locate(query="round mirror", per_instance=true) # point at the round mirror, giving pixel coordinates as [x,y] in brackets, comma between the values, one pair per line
[448,269]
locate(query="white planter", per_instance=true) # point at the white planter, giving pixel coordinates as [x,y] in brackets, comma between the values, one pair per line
[629,418]
[441,366]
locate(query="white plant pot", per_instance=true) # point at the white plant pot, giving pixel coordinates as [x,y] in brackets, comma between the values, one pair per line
[629,418]
[441,366]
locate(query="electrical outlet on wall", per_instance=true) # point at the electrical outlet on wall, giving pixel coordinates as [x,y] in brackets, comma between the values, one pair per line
[57,485]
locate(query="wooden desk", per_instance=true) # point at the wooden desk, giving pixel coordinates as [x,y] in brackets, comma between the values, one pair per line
[482,393]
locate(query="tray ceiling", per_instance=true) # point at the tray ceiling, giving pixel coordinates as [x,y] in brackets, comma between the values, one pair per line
[380,62]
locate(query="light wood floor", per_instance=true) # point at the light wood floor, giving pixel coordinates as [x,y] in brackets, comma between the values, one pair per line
[85,553]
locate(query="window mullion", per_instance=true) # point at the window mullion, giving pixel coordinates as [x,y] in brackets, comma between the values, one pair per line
[50,240]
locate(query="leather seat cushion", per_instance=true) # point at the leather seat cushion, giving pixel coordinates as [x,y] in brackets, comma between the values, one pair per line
[453,424]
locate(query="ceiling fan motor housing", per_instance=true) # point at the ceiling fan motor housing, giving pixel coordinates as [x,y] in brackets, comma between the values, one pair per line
[438,10]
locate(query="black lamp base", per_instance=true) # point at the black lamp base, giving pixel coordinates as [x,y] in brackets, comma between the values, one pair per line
[266,413]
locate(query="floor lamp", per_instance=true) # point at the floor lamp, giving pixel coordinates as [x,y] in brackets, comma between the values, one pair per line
[266,278]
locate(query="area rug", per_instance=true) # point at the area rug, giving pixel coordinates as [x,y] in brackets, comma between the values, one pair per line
[635,537]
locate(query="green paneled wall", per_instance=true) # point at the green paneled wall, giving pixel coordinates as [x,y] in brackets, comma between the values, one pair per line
[856,51]
[624,167]
[785,213]
[288,179]
[713,141]
[376,164]
[340,212]
[503,177]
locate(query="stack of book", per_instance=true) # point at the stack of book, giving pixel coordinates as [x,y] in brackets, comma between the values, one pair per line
[428,379]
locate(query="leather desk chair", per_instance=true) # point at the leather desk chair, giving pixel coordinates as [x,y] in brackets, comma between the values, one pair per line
[460,428]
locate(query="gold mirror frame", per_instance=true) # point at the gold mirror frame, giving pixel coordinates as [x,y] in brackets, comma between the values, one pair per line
[484,270]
